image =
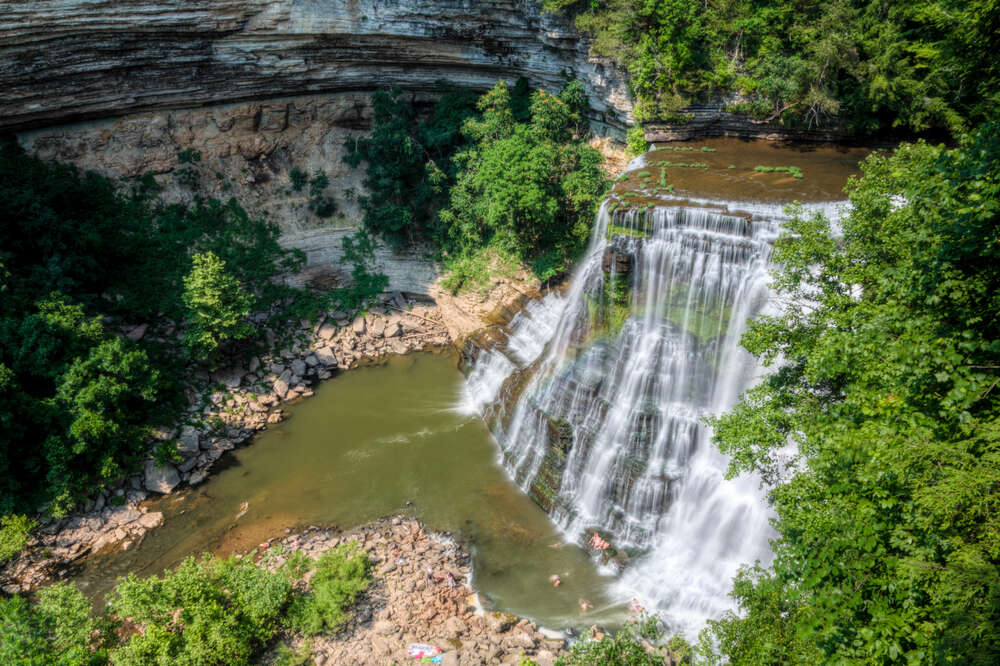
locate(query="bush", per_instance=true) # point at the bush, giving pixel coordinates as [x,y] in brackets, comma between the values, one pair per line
[205,611]
[82,261]
[299,179]
[57,630]
[635,141]
[340,575]
[14,531]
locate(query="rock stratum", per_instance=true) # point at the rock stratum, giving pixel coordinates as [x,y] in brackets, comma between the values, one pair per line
[63,61]
[259,88]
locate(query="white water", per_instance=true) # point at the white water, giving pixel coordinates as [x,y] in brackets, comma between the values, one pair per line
[641,465]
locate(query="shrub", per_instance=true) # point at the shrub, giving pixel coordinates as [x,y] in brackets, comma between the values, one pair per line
[299,179]
[340,575]
[14,531]
[635,141]
[57,630]
[205,611]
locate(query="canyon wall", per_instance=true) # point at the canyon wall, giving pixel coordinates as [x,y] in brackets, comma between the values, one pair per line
[260,88]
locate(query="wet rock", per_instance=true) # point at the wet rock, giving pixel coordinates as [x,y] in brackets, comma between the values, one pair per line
[188,464]
[161,479]
[150,520]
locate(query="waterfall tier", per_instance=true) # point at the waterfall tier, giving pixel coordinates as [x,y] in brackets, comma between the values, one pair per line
[598,394]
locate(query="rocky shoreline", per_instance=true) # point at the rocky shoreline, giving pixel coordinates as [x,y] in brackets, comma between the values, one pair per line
[402,607]
[230,406]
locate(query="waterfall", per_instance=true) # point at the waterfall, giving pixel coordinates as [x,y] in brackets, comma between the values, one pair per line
[597,396]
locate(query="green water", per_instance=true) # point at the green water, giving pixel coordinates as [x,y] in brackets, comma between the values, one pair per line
[371,442]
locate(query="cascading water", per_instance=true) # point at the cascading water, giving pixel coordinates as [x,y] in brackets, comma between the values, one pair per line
[597,399]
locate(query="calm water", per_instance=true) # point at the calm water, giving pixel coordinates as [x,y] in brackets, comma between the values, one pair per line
[369,443]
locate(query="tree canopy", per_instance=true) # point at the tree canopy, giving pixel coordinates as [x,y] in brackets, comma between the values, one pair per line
[870,65]
[506,173]
[886,371]
[83,262]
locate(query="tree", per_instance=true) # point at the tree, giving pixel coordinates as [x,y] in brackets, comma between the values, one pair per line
[205,611]
[527,189]
[58,630]
[217,306]
[887,355]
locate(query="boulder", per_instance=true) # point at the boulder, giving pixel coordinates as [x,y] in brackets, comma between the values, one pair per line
[358,326]
[187,445]
[231,377]
[137,333]
[326,357]
[378,327]
[327,331]
[298,367]
[151,519]
[161,479]
[254,364]
[281,388]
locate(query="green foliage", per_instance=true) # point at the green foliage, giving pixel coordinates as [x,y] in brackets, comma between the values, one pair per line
[217,306]
[340,575]
[205,611]
[870,65]
[889,515]
[189,156]
[624,648]
[82,262]
[366,285]
[407,163]
[57,630]
[319,203]
[14,531]
[526,189]
[508,172]
[299,179]
[635,141]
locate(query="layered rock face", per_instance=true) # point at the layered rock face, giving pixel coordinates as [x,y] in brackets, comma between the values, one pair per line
[68,60]
[259,88]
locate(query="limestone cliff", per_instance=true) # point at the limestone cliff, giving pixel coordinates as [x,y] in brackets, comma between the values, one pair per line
[68,60]
[260,88]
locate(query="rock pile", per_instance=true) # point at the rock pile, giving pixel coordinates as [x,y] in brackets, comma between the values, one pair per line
[402,607]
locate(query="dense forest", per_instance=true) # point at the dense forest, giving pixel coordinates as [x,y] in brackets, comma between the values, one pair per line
[866,66]
[507,179]
[885,378]
[110,299]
